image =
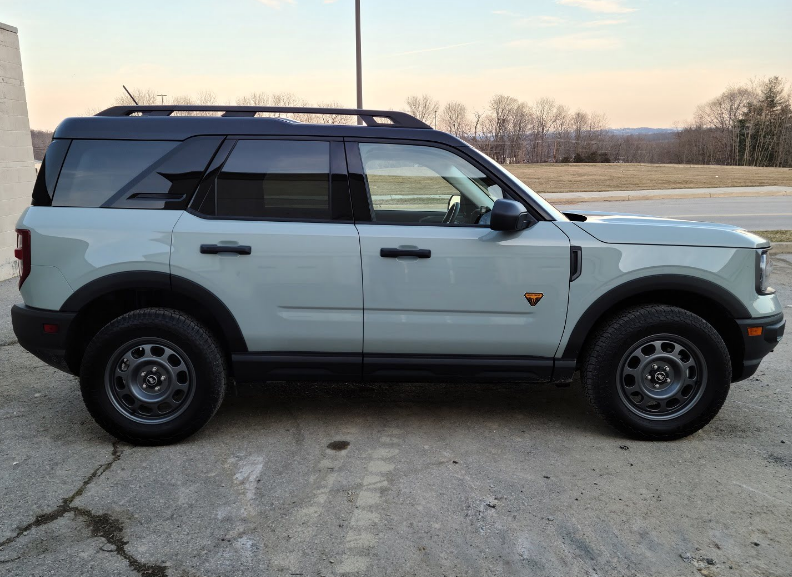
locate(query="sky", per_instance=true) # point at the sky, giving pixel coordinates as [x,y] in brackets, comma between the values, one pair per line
[640,62]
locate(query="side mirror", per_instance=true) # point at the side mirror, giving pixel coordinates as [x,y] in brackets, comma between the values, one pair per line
[454,199]
[509,215]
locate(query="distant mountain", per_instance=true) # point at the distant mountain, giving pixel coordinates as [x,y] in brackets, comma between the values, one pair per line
[643,130]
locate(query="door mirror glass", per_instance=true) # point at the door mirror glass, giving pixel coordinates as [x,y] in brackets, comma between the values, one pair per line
[509,215]
[453,199]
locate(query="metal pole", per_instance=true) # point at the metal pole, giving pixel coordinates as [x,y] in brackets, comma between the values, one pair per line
[358,58]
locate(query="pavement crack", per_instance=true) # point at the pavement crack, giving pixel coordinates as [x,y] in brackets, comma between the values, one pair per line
[103,525]
[9,343]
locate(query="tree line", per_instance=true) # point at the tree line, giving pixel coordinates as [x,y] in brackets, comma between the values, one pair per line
[746,125]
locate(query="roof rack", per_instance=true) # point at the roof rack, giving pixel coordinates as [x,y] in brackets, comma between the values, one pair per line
[370,117]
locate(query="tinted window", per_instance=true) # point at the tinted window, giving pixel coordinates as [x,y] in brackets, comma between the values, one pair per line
[423,184]
[276,179]
[171,181]
[48,172]
[95,170]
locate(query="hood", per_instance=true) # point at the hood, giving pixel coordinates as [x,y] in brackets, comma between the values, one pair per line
[617,228]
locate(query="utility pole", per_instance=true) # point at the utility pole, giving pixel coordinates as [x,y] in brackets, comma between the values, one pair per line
[162,97]
[358,59]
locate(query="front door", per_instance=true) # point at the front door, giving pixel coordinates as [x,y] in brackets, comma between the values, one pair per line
[443,293]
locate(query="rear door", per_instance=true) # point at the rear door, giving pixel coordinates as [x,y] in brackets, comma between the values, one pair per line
[444,294]
[270,232]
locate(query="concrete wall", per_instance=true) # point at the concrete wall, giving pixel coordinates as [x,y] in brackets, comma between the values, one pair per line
[17,172]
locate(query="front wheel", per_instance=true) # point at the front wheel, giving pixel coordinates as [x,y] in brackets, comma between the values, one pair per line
[153,376]
[656,372]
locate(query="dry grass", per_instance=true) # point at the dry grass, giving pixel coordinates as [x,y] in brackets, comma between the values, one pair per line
[603,177]
[776,235]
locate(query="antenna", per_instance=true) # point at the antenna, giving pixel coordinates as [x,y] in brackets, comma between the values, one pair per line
[130,95]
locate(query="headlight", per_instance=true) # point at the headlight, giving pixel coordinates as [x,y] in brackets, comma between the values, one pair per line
[763,269]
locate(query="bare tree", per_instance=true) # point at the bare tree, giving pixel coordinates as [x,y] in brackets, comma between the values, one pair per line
[454,119]
[423,107]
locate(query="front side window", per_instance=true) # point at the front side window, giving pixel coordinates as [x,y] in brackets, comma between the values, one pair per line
[276,179]
[425,185]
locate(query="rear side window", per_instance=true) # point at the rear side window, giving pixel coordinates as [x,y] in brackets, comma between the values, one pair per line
[49,171]
[95,170]
[276,179]
[132,174]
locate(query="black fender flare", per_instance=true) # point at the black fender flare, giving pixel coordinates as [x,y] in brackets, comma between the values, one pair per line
[649,284]
[174,284]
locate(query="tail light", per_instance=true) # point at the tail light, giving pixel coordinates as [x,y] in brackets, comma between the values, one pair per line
[22,252]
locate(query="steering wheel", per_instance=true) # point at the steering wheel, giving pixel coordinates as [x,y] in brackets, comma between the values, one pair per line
[453,212]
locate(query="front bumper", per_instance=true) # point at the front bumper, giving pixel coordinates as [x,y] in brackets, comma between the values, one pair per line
[757,347]
[29,329]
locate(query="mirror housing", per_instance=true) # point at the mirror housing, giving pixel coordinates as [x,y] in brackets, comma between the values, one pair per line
[509,215]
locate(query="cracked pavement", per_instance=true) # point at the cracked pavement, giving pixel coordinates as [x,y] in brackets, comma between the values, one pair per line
[394,479]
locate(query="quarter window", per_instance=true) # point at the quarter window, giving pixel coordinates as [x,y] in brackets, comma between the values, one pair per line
[426,185]
[95,170]
[276,179]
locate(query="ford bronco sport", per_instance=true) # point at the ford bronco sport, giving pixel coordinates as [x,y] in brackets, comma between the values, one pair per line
[164,255]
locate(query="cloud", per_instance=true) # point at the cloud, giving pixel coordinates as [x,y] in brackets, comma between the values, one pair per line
[604,6]
[540,21]
[276,3]
[598,23]
[571,42]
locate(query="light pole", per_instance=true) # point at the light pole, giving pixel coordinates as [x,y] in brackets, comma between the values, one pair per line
[358,59]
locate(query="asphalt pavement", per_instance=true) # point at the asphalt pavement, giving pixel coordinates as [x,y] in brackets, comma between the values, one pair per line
[753,213]
[394,480]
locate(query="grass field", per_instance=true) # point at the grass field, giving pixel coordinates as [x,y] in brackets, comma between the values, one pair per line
[601,177]
[776,235]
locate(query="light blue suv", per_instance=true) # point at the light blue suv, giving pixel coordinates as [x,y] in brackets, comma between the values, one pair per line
[166,254]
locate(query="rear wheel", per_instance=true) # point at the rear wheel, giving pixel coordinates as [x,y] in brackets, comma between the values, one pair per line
[657,372]
[153,376]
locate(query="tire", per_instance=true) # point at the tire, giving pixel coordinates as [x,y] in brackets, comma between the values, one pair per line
[153,376]
[688,368]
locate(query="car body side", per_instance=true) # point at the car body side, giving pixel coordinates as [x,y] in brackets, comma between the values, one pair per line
[124,259]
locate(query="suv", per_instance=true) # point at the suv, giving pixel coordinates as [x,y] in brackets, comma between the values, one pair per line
[164,255]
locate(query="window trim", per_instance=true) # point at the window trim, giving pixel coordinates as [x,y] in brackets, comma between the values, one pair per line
[338,180]
[361,197]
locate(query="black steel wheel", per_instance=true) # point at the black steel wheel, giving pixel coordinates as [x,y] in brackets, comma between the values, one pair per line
[656,372]
[153,376]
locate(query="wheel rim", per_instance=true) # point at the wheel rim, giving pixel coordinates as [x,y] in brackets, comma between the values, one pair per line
[150,380]
[661,377]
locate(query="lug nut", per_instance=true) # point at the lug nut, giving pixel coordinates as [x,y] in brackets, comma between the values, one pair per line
[648,377]
[154,370]
[162,378]
[654,367]
[666,369]
[143,374]
[157,388]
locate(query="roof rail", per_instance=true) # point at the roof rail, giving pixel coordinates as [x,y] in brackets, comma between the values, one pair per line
[370,117]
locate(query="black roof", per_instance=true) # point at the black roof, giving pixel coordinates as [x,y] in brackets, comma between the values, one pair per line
[156,123]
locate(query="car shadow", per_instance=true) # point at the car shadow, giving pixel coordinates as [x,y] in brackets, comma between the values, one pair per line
[443,404]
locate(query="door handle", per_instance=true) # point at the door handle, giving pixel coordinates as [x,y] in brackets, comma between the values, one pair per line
[397,252]
[218,248]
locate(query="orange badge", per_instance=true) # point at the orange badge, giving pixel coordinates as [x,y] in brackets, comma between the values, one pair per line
[533,298]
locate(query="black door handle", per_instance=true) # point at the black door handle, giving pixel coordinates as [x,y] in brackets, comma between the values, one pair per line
[397,252]
[218,248]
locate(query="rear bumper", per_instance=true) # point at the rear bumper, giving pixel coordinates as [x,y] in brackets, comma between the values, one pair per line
[757,347]
[50,347]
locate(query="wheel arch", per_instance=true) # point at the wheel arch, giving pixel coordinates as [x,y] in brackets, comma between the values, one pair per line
[104,299]
[712,302]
